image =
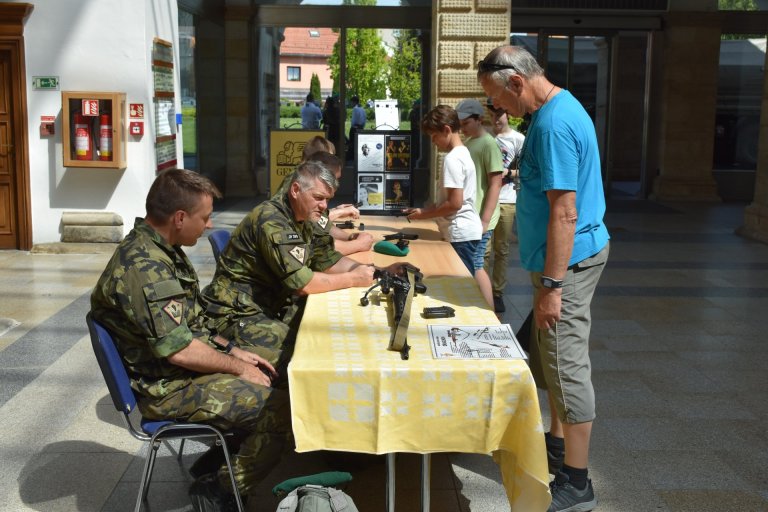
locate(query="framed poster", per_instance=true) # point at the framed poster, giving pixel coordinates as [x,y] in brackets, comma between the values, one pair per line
[398,153]
[397,191]
[285,153]
[370,152]
[370,192]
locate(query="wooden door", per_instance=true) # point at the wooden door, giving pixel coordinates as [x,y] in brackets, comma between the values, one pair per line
[8,182]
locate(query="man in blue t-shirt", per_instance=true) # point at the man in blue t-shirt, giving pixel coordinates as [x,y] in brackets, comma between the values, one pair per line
[564,245]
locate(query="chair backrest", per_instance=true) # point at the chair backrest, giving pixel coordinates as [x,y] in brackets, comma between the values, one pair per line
[219,239]
[111,364]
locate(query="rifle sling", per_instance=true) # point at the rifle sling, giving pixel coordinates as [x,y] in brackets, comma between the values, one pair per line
[399,338]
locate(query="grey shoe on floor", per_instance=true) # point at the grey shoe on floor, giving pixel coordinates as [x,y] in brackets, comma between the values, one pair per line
[567,498]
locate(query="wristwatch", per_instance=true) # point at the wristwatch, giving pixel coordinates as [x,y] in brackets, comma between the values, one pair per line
[229,347]
[548,282]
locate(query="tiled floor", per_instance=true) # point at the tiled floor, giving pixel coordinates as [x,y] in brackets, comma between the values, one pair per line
[679,364]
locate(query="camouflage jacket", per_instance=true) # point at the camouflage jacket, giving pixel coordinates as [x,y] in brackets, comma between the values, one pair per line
[148,297]
[268,258]
[322,233]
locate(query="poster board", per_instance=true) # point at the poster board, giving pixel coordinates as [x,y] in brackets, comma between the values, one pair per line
[285,153]
[164,104]
[384,178]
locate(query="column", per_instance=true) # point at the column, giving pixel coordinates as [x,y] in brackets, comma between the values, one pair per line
[691,53]
[756,214]
[463,32]
[237,43]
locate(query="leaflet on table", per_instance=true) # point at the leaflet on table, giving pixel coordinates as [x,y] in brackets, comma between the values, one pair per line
[474,342]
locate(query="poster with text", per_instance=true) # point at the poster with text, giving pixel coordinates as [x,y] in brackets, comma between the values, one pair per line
[398,153]
[397,191]
[370,152]
[370,191]
[285,153]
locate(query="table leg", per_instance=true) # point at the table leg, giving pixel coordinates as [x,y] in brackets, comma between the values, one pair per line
[390,482]
[426,467]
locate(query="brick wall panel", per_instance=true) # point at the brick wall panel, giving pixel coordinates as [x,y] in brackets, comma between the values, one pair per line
[455,54]
[480,27]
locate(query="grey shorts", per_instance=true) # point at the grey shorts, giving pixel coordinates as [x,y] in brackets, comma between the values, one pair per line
[560,356]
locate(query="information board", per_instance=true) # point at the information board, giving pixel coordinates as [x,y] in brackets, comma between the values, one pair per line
[383,168]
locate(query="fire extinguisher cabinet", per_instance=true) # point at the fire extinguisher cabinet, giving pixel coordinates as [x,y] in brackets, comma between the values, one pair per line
[93,127]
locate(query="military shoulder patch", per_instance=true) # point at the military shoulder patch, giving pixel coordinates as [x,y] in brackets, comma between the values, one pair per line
[292,236]
[298,252]
[175,310]
[323,221]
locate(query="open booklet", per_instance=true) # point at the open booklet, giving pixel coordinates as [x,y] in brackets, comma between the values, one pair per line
[474,342]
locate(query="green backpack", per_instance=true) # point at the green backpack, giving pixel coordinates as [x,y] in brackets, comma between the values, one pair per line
[316,498]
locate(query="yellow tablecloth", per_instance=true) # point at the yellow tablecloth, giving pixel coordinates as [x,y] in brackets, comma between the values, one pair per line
[349,393]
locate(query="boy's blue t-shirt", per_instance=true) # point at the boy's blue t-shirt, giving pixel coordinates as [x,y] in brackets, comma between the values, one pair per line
[560,153]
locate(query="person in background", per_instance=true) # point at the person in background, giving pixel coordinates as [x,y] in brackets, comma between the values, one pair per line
[310,114]
[357,123]
[331,119]
[148,298]
[487,158]
[457,195]
[510,143]
[564,244]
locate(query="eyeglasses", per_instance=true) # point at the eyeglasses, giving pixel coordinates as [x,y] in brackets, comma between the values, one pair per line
[490,67]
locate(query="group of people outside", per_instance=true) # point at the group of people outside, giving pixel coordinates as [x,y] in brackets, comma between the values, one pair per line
[313,118]
[219,355]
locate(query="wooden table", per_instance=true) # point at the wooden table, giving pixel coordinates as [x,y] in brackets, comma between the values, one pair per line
[349,393]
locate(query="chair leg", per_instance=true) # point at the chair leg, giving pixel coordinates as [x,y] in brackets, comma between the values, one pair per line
[146,476]
[181,448]
[224,447]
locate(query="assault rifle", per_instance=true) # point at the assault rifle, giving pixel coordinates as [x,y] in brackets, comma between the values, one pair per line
[401,290]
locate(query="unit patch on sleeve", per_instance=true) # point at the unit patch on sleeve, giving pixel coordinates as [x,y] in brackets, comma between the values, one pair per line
[175,310]
[292,236]
[323,221]
[298,252]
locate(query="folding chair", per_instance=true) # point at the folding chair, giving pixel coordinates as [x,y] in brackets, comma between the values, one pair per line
[152,431]
[219,239]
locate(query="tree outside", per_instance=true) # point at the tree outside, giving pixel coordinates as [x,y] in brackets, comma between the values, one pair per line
[367,66]
[404,75]
[314,87]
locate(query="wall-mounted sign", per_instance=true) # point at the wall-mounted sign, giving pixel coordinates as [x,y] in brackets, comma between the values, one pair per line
[136,110]
[90,107]
[45,83]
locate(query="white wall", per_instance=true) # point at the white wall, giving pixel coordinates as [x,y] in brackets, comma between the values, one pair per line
[102,46]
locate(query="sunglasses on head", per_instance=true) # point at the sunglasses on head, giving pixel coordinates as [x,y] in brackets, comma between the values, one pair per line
[490,67]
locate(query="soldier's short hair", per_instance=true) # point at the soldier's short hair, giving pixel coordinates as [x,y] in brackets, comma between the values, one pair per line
[329,160]
[307,172]
[177,189]
[315,144]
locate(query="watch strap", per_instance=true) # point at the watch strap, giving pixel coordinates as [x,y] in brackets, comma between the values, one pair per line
[549,282]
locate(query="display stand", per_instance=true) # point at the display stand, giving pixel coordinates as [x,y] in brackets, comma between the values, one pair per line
[384,172]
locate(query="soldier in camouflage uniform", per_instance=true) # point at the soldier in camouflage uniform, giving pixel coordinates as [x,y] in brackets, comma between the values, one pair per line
[343,242]
[148,297]
[273,260]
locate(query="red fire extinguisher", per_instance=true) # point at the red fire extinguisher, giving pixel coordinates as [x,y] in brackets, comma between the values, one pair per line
[105,137]
[83,143]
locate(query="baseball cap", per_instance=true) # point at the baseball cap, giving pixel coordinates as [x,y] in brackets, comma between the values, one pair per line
[469,107]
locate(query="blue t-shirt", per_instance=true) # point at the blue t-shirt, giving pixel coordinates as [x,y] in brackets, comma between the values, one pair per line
[560,153]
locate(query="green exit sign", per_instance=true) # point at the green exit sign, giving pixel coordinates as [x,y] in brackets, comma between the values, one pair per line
[50,83]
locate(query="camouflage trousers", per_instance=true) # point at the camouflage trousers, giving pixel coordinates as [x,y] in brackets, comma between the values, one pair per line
[271,338]
[261,413]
